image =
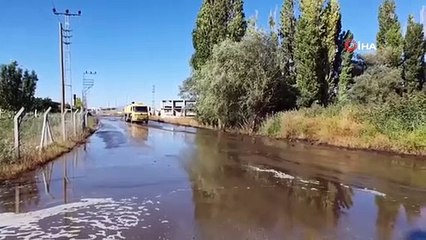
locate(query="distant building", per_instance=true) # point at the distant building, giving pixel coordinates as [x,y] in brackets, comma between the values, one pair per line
[423,18]
[179,108]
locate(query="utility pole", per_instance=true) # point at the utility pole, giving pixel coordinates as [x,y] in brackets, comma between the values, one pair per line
[64,39]
[87,85]
[153,99]
[61,58]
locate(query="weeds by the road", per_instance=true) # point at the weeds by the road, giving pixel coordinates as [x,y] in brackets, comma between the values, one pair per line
[31,161]
[391,127]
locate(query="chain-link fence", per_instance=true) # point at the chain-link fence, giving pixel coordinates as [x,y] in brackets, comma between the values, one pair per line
[6,136]
[30,133]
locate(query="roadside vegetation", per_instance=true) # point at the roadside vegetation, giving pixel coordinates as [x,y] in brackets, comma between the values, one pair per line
[11,167]
[300,79]
[17,89]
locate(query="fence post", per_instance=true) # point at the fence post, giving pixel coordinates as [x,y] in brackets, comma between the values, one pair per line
[80,120]
[16,124]
[45,131]
[17,199]
[64,131]
[86,124]
[74,121]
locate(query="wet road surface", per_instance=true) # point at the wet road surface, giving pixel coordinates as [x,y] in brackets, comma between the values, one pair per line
[167,182]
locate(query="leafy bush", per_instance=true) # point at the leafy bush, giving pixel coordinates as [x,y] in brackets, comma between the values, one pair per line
[377,85]
[400,115]
[242,82]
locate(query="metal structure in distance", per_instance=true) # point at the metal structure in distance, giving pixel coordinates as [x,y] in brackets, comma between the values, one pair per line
[88,83]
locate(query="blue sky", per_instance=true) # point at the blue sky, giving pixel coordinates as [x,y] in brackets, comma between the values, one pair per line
[135,44]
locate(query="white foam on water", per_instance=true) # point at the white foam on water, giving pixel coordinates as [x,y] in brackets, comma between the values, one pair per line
[276,173]
[315,182]
[377,193]
[95,217]
[12,220]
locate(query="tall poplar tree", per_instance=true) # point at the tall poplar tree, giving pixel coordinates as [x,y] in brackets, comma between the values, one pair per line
[216,21]
[309,44]
[414,52]
[389,37]
[237,24]
[346,79]
[287,35]
[332,20]
[201,36]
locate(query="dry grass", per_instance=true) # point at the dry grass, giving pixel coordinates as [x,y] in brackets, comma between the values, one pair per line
[182,121]
[32,161]
[345,127]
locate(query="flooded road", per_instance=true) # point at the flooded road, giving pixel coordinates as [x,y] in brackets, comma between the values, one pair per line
[167,182]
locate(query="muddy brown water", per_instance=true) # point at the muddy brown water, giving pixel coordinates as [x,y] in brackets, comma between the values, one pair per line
[166,182]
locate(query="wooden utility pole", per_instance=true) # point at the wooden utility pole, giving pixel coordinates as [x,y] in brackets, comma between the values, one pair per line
[61,59]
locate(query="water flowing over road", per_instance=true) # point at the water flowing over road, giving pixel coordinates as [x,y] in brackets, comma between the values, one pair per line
[166,182]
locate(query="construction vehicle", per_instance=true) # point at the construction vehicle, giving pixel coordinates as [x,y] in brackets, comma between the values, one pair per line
[136,113]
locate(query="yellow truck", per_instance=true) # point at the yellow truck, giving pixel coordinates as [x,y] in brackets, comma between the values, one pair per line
[136,113]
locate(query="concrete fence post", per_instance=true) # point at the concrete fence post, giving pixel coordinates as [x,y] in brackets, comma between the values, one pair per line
[86,123]
[80,120]
[46,132]
[74,121]
[64,131]
[16,127]
[17,199]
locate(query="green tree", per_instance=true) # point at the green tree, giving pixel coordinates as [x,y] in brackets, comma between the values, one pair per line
[216,21]
[332,20]
[287,35]
[310,77]
[42,104]
[241,83]
[17,87]
[378,85]
[79,103]
[387,18]
[201,36]
[389,38]
[188,89]
[346,74]
[414,52]
[237,24]
[273,30]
